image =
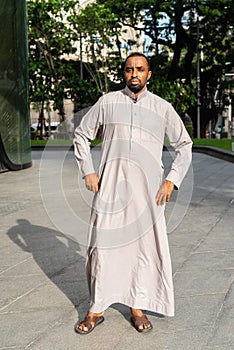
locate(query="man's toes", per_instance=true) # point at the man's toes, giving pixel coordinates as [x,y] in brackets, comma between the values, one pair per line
[147,325]
[82,328]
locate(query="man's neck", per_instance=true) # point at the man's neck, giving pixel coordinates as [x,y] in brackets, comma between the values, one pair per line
[135,96]
[139,92]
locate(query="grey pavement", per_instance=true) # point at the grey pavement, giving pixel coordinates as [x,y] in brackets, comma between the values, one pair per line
[43,287]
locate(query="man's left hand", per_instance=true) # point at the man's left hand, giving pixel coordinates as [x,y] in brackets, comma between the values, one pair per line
[164,192]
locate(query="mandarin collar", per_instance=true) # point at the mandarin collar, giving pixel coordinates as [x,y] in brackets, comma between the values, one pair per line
[131,94]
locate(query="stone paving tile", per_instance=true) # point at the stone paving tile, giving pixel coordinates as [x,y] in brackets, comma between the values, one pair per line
[45,296]
[188,240]
[201,224]
[27,267]
[178,256]
[219,238]
[202,282]
[217,243]
[13,288]
[51,250]
[211,260]
[11,255]
[222,331]
[199,310]
[187,339]
[219,347]
[19,329]
[64,337]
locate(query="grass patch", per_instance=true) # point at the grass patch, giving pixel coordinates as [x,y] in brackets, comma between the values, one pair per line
[96,142]
[48,143]
[218,143]
[51,142]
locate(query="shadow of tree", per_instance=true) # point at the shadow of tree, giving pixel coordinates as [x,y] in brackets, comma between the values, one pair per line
[57,256]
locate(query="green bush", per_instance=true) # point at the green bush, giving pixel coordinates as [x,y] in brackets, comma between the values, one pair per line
[224,135]
[189,128]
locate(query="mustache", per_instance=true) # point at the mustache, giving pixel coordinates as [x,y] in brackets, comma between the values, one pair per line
[130,80]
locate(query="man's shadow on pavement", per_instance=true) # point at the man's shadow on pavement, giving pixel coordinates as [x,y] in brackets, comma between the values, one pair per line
[58,257]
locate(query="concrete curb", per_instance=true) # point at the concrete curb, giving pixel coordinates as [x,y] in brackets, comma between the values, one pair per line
[211,151]
[215,152]
[52,148]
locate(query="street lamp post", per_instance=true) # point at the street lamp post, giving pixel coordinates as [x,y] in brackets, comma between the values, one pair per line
[81,59]
[230,77]
[198,81]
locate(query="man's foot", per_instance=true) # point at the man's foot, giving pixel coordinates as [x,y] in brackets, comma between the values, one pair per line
[140,321]
[89,323]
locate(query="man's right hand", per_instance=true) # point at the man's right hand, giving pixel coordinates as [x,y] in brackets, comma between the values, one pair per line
[91,182]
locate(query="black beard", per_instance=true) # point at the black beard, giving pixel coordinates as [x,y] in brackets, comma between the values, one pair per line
[135,89]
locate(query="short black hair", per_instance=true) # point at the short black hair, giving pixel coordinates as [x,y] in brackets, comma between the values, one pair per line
[136,54]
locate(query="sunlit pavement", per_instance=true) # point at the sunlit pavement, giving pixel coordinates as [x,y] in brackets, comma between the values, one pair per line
[42,277]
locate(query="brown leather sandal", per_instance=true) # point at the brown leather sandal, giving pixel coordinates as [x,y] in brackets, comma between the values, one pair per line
[89,322]
[138,321]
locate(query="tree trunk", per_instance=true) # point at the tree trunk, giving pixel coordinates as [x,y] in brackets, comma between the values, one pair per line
[191,49]
[179,43]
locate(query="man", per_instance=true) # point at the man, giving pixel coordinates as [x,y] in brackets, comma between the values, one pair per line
[128,259]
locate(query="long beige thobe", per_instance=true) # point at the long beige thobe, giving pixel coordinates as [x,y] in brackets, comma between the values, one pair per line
[128,259]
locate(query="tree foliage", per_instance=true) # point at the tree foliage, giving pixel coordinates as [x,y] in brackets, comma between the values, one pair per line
[173,44]
[172,28]
[50,43]
[98,29]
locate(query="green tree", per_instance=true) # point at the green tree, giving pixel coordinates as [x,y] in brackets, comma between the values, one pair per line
[98,30]
[172,28]
[217,51]
[174,42]
[50,42]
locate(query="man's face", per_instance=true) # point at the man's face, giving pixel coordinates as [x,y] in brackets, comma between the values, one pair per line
[136,73]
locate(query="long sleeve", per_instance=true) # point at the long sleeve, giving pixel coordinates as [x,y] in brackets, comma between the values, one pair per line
[181,143]
[84,133]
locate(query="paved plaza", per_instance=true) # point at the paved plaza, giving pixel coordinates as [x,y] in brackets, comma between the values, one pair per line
[44,213]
